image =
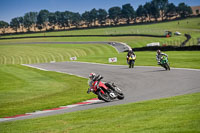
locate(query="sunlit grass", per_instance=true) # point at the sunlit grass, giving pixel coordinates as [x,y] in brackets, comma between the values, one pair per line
[190,26]
[25,90]
[175,114]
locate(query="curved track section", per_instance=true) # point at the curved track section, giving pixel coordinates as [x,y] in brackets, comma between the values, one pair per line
[119,46]
[138,84]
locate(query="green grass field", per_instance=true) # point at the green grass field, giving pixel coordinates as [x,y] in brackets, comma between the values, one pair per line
[168,115]
[24,89]
[189,25]
[41,53]
[99,53]
[27,83]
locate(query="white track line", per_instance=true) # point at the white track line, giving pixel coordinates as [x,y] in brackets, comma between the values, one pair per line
[34,67]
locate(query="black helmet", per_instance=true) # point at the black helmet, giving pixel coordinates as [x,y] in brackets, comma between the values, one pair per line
[158,51]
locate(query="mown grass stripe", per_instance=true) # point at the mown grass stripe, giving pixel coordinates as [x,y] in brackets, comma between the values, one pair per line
[21,59]
[61,56]
[29,60]
[4,59]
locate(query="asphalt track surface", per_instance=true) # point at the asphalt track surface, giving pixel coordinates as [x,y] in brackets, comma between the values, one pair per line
[138,84]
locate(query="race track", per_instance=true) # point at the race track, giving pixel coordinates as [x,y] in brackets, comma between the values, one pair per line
[138,84]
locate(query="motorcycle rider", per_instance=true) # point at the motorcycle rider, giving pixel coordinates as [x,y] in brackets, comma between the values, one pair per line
[105,91]
[129,54]
[93,77]
[159,55]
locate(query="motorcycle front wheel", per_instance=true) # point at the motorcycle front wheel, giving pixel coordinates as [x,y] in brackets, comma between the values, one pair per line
[105,97]
[131,63]
[168,67]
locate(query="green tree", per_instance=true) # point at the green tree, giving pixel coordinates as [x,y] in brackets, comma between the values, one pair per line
[3,26]
[197,11]
[86,18]
[115,14]
[67,16]
[52,20]
[58,16]
[128,12]
[93,16]
[63,18]
[140,13]
[43,19]
[155,11]
[162,7]
[147,8]
[102,16]
[75,19]
[30,20]
[21,22]
[15,24]
[184,10]
[171,10]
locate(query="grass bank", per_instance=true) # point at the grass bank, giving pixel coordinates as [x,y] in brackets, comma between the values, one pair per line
[25,89]
[99,53]
[175,114]
[190,26]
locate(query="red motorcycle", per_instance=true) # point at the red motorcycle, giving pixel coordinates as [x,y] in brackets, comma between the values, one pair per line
[105,91]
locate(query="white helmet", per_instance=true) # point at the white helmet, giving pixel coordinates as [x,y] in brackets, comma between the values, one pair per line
[92,76]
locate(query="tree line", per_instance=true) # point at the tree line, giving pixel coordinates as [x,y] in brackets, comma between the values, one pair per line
[150,11]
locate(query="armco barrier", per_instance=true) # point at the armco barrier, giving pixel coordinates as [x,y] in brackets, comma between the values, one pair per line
[169,48]
[111,35]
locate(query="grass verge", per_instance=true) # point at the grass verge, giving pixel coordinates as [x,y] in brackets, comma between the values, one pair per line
[99,53]
[178,59]
[175,114]
[26,89]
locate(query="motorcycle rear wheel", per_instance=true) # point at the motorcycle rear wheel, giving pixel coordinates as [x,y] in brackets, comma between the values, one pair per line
[120,96]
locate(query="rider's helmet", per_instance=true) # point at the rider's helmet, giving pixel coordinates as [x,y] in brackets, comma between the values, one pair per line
[130,51]
[92,76]
[158,51]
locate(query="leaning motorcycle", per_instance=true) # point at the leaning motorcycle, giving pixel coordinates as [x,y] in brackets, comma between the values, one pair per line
[105,91]
[164,62]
